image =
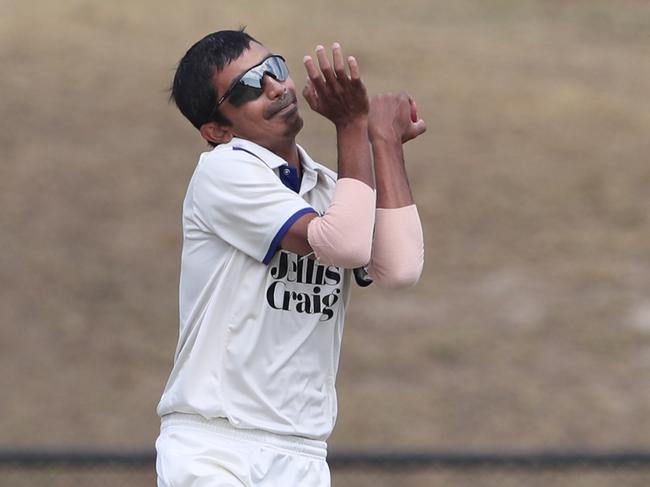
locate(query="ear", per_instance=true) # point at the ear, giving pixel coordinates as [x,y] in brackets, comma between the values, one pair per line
[216,133]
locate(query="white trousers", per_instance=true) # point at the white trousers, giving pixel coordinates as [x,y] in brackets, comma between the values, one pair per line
[196,452]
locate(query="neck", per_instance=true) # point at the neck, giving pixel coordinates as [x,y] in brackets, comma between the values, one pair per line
[288,152]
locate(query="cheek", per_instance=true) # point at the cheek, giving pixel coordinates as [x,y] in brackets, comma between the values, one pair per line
[247,113]
[248,121]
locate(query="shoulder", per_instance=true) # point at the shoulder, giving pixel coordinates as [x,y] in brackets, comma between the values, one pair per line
[229,162]
[224,156]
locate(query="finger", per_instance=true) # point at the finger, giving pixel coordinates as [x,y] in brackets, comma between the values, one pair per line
[355,74]
[325,66]
[416,129]
[310,67]
[339,63]
[309,93]
[314,76]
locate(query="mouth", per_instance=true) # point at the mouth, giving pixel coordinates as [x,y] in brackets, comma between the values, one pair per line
[290,108]
[283,106]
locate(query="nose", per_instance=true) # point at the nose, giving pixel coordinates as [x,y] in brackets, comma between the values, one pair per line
[273,87]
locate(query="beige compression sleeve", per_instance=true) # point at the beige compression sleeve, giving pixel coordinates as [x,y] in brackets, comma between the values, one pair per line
[398,248]
[343,235]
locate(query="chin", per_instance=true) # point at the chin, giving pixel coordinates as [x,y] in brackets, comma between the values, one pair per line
[294,125]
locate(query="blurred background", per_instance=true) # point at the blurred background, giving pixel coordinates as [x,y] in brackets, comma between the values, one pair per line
[530,327]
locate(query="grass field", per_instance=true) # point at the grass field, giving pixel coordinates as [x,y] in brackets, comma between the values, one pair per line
[531,324]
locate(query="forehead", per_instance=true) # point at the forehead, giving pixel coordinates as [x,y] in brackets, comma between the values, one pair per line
[248,58]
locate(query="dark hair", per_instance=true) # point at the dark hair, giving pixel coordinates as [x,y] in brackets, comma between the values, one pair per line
[192,89]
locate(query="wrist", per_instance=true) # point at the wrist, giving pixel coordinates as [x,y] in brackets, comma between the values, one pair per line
[359,122]
[384,136]
[384,140]
[388,154]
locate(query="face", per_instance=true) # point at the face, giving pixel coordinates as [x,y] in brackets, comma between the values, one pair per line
[270,120]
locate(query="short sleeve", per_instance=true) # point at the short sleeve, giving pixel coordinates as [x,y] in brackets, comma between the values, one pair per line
[242,201]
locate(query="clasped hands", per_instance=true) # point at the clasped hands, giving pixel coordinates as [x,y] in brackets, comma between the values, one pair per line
[340,96]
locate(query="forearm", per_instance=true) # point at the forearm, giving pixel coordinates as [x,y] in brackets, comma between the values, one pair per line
[353,151]
[393,189]
[397,255]
[343,235]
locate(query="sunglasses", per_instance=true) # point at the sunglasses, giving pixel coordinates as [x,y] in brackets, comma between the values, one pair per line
[248,86]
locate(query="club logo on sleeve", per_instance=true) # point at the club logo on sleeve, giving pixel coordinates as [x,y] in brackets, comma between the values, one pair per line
[301,285]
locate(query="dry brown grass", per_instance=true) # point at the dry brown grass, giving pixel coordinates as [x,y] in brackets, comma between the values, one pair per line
[531,324]
[138,477]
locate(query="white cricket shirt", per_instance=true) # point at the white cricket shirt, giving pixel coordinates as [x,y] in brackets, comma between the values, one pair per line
[260,327]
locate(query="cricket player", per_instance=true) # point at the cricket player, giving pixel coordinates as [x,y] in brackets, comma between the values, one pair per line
[270,242]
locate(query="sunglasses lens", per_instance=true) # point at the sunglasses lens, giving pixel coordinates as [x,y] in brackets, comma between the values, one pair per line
[242,93]
[277,68]
[273,66]
[249,87]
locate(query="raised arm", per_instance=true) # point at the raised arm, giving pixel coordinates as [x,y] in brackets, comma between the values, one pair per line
[398,249]
[343,235]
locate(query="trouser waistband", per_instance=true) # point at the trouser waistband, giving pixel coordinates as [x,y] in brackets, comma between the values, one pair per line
[221,426]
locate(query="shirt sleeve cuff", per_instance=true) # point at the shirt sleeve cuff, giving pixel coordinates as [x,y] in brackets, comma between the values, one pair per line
[275,243]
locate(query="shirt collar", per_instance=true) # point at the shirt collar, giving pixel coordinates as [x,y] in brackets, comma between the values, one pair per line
[266,156]
[310,170]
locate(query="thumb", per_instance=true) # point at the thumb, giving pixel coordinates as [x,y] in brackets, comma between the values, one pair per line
[419,127]
[415,129]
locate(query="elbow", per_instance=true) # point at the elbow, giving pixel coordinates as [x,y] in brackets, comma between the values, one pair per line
[397,272]
[340,245]
[356,255]
[399,278]
[343,235]
[398,251]
[349,255]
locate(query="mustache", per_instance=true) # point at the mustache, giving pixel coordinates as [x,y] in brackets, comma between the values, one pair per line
[287,99]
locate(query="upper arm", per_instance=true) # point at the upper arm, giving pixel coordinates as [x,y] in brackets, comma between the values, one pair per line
[295,240]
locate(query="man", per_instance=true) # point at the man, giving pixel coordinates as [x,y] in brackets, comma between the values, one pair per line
[270,241]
